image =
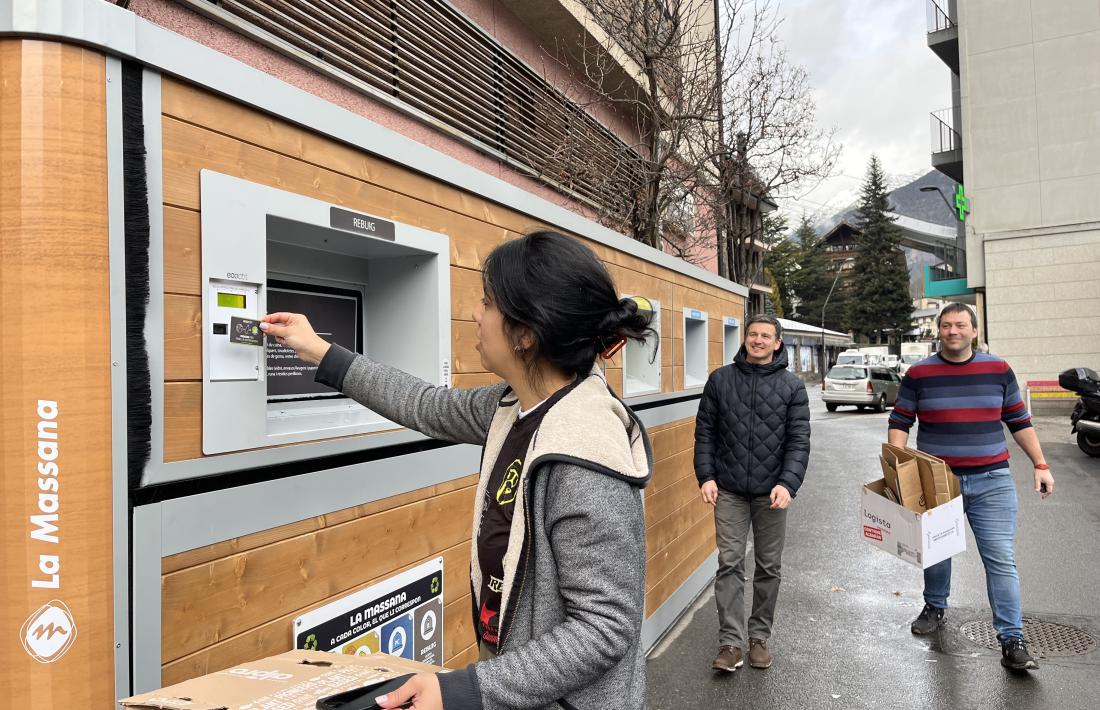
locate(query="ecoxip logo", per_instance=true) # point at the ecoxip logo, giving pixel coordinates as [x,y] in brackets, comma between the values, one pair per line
[49,632]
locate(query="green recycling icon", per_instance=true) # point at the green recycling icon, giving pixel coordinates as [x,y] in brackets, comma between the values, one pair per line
[435,585]
[311,643]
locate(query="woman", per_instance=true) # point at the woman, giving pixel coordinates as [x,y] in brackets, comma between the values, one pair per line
[558,553]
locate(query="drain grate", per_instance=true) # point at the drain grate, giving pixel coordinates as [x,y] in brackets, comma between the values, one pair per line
[1043,638]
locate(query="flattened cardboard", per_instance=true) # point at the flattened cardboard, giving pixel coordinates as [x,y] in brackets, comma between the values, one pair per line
[939,483]
[901,472]
[294,680]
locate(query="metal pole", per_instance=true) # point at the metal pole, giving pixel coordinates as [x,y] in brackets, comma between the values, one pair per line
[823,305]
[839,268]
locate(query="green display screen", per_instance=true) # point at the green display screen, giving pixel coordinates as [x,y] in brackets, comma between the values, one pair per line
[230,300]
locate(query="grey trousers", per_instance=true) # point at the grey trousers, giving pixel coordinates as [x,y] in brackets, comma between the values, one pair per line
[733,517]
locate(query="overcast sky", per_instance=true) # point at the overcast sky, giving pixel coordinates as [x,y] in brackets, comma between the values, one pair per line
[875,80]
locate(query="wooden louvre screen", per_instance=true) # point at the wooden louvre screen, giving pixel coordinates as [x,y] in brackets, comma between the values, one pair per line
[432,61]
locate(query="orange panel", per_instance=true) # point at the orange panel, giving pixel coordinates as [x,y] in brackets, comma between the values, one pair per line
[55,396]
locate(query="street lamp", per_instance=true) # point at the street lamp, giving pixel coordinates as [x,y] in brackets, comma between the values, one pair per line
[933,188]
[839,268]
[955,263]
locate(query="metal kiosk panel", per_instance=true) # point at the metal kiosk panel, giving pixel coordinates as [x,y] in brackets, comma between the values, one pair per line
[377,287]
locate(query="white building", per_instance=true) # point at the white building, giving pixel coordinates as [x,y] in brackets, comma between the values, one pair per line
[1024,139]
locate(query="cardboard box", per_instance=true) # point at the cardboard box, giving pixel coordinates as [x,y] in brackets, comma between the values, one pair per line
[294,680]
[919,538]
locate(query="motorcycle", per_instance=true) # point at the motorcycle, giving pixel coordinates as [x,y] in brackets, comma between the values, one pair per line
[1085,419]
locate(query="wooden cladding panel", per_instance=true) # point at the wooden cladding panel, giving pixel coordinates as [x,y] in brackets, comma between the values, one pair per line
[690,561]
[475,380]
[182,253]
[672,440]
[182,338]
[205,131]
[275,636]
[182,420]
[210,602]
[700,529]
[679,526]
[209,553]
[55,293]
[714,354]
[189,149]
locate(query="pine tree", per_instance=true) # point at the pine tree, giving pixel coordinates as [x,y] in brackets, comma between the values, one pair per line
[880,302]
[810,283]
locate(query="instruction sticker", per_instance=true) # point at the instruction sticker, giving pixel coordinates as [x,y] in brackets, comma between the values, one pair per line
[401,616]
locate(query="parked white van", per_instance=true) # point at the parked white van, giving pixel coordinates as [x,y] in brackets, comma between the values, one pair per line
[853,357]
[861,358]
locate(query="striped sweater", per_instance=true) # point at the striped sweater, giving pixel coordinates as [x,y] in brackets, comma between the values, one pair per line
[960,406]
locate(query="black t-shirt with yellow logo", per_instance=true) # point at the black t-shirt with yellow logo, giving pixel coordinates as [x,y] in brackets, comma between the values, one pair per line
[496,517]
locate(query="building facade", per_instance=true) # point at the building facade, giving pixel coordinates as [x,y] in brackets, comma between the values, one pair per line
[1023,141]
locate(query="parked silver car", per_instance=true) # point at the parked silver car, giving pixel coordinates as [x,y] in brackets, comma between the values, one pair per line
[875,387]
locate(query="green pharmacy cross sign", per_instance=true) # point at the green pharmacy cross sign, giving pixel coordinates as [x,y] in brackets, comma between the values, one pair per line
[962,204]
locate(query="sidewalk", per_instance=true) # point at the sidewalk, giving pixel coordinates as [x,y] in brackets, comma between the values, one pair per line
[842,636]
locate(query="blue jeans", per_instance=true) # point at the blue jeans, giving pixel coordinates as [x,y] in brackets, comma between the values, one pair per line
[989,500]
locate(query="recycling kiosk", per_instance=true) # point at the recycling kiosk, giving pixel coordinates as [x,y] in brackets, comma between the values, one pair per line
[180,496]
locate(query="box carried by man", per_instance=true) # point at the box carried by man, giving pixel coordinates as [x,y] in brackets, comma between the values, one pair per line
[294,680]
[915,510]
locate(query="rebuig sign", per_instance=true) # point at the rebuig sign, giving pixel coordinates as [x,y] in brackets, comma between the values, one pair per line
[401,616]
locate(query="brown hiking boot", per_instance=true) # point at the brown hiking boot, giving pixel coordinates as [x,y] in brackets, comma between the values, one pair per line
[758,654]
[729,659]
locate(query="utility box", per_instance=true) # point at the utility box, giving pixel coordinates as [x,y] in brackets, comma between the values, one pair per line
[374,286]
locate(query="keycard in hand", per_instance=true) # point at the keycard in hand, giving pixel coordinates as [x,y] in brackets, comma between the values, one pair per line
[245,331]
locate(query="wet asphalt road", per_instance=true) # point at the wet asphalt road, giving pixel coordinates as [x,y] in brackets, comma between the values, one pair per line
[841,638]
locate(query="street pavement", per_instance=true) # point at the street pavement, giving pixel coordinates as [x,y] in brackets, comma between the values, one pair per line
[841,637]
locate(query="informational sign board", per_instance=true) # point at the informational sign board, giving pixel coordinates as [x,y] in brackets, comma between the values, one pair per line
[402,616]
[333,313]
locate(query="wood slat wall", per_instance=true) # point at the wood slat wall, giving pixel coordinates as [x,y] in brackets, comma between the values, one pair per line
[55,296]
[205,131]
[234,601]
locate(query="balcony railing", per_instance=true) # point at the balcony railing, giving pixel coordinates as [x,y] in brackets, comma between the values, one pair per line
[944,136]
[939,273]
[938,18]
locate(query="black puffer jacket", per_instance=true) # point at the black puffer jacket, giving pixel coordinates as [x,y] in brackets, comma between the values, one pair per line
[753,427]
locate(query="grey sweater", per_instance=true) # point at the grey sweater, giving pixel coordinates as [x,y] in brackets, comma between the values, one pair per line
[574,591]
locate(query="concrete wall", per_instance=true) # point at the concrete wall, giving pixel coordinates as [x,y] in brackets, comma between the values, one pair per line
[1043,301]
[1030,93]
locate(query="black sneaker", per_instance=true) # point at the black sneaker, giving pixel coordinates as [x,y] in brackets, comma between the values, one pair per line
[1014,656]
[929,620]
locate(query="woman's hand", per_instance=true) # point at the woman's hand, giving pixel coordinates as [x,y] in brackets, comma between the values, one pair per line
[294,331]
[421,692]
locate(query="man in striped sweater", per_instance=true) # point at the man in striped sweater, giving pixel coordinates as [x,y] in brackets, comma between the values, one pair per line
[961,399]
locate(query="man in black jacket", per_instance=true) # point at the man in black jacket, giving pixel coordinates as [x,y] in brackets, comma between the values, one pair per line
[752,442]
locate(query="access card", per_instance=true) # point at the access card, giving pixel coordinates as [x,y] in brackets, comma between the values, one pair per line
[245,331]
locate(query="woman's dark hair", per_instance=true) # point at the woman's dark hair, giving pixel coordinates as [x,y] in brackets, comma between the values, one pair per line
[559,290]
